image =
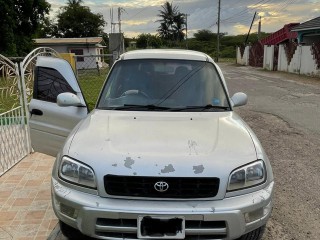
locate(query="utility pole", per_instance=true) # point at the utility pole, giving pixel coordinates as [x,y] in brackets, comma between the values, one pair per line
[186,15]
[254,17]
[259,30]
[113,24]
[120,11]
[218,34]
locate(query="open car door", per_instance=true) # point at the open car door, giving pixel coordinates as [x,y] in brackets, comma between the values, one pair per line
[52,114]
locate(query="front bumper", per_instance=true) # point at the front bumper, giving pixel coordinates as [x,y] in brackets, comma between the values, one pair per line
[107,218]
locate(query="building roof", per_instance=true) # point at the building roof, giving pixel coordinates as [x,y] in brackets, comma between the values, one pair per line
[282,35]
[68,41]
[309,25]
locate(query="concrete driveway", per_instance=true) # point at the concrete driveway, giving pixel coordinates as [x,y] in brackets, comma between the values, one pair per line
[25,200]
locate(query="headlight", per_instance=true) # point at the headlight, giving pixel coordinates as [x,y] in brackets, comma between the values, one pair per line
[248,176]
[76,172]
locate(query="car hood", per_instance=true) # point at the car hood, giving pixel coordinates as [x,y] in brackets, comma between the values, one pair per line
[163,143]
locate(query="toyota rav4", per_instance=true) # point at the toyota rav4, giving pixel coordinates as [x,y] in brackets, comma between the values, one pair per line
[162,156]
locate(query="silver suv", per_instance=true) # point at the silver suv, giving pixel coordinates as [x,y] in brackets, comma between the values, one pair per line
[162,156]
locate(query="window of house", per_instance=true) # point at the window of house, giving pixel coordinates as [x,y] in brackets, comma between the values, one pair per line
[48,84]
[78,52]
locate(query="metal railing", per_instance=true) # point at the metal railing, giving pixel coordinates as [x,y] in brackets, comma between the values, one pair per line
[13,138]
[16,87]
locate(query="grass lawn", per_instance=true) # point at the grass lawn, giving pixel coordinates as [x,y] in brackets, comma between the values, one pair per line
[9,95]
[91,83]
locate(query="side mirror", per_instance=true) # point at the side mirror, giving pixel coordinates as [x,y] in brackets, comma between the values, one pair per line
[239,99]
[68,99]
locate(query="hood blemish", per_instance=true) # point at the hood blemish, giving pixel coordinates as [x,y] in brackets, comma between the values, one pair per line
[198,169]
[168,169]
[128,162]
[192,147]
[114,165]
[134,173]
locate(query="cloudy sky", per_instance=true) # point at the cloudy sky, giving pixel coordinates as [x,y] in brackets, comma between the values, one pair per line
[140,16]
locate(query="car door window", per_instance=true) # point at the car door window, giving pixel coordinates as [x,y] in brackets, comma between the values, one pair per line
[48,84]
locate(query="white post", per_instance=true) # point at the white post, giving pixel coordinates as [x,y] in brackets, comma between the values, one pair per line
[271,57]
[265,57]
[25,104]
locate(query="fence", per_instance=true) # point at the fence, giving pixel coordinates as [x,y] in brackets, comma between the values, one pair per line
[13,131]
[243,55]
[91,72]
[288,57]
[300,61]
[16,89]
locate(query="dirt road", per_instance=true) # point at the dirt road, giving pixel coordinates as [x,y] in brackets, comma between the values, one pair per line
[289,130]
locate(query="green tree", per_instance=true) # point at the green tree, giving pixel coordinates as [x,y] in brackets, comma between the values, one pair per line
[75,20]
[148,41]
[19,23]
[205,35]
[172,23]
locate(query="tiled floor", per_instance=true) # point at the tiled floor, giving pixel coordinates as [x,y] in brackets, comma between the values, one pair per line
[25,201]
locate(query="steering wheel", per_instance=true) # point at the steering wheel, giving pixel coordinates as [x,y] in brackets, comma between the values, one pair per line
[135,92]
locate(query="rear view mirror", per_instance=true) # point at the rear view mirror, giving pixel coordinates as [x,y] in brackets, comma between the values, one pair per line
[69,99]
[239,99]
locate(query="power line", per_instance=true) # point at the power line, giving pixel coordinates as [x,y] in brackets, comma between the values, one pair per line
[143,9]
[246,11]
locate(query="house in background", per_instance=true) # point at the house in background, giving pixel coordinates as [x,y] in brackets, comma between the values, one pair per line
[79,46]
[308,32]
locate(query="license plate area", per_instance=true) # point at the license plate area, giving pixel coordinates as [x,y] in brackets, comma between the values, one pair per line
[161,227]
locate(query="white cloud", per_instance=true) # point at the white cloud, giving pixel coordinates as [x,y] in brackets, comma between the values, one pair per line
[140,16]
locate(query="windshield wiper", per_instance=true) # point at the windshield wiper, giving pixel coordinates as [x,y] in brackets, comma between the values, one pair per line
[203,108]
[140,107]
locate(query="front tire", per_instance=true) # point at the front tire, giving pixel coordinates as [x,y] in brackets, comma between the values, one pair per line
[254,235]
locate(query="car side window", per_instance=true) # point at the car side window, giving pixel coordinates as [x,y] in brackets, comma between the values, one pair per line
[48,84]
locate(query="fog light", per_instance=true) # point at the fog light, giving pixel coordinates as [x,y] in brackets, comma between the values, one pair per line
[257,214]
[254,215]
[69,211]
[267,209]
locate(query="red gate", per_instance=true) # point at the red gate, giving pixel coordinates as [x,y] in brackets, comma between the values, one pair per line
[256,55]
[275,58]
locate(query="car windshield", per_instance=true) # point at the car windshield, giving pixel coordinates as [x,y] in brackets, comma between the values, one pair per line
[167,85]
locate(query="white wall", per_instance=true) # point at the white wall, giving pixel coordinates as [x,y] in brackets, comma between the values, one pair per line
[89,62]
[282,59]
[60,49]
[244,60]
[295,63]
[302,62]
[268,57]
[308,62]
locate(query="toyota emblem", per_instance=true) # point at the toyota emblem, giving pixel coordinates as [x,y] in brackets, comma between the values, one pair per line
[161,186]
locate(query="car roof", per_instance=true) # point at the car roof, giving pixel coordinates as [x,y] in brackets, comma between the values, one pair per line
[166,54]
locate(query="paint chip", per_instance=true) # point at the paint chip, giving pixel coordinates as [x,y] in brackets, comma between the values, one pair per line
[198,169]
[168,169]
[128,162]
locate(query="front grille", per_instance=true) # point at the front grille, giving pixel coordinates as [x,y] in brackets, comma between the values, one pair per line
[179,187]
[127,229]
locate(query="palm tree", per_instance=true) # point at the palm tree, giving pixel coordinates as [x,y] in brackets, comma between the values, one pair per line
[75,2]
[172,22]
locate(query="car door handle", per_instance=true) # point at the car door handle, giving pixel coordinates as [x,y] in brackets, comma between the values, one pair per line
[36,112]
